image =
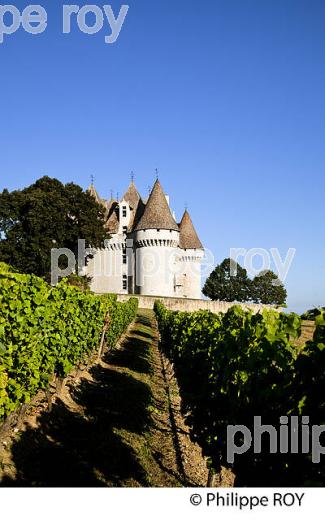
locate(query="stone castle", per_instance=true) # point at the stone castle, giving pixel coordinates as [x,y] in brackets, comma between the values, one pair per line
[148,253]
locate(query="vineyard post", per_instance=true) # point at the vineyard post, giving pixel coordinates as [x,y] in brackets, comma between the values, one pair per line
[210,478]
[49,399]
[101,345]
[59,384]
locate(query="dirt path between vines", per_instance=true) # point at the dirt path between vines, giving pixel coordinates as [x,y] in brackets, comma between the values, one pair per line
[117,424]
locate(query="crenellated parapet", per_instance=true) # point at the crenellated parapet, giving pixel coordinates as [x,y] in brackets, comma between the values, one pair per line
[194,257]
[157,242]
[115,245]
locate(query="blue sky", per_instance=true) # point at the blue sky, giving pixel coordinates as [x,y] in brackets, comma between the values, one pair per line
[225,97]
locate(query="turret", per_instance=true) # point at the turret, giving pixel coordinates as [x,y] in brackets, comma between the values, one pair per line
[93,192]
[148,252]
[156,241]
[188,236]
[136,205]
[191,252]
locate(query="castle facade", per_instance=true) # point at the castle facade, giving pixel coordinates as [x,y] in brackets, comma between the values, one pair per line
[149,253]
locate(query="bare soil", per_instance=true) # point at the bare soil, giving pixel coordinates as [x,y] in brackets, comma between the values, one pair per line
[307,333]
[118,423]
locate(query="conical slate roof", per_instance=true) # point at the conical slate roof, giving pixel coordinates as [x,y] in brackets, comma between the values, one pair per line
[135,201]
[157,214]
[112,224]
[109,205]
[188,236]
[93,192]
[132,196]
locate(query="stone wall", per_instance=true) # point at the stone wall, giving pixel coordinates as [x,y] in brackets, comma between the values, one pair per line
[188,305]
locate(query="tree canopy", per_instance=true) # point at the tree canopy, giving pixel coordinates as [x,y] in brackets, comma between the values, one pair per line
[266,288]
[46,215]
[229,282]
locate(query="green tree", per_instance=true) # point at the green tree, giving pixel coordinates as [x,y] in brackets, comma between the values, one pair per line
[311,314]
[268,289]
[228,282]
[47,214]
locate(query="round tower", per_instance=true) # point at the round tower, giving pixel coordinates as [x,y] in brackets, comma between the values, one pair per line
[156,245]
[189,260]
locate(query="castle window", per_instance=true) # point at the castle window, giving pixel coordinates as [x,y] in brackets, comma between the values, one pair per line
[124,211]
[124,257]
[125,282]
[125,230]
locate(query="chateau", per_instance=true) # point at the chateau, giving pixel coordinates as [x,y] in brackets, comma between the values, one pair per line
[148,253]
